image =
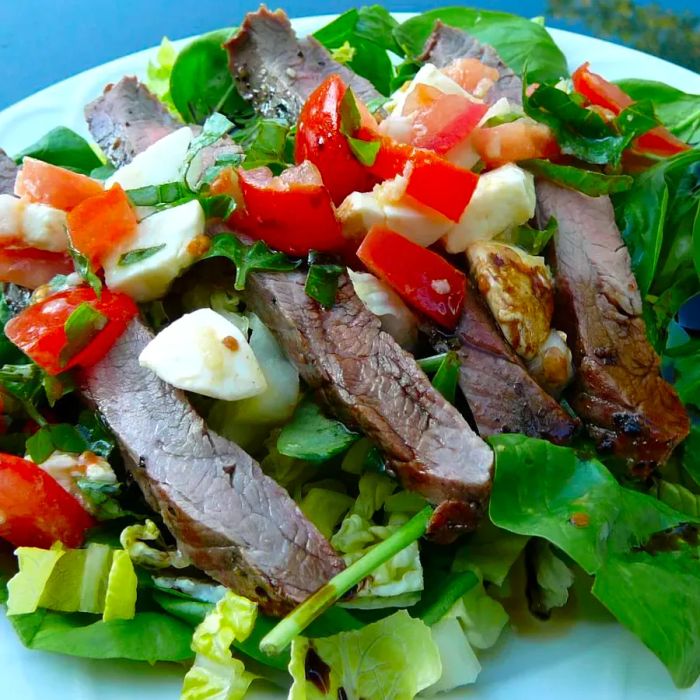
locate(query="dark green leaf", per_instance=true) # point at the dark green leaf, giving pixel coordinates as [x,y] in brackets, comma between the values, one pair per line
[589,182]
[684,360]
[84,269]
[312,436]
[691,453]
[322,282]
[645,574]
[364,151]
[679,498]
[350,119]
[201,83]
[56,387]
[60,436]
[9,353]
[63,147]
[96,434]
[219,206]
[138,254]
[447,376]
[531,239]
[439,599]
[265,142]
[23,384]
[155,195]
[248,258]
[83,324]
[431,364]
[40,446]
[520,42]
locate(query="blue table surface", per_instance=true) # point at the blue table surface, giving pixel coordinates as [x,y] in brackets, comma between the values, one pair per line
[44,41]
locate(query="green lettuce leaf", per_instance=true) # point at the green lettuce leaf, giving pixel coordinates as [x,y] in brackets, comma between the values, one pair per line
[216,673]
[641,551]
[120,596]
[393,659]
[325,508]
[460,665]
[549,579]
[133,539]
[158,73]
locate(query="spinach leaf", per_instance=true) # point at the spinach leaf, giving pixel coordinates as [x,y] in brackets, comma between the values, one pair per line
[447,375]
[369,31]
[248,258]
[521,43]
[641,551]
[322,280]
[83,324]
[677,110]
[63,147]
[138,254]
[312,436]
[590,182]
[201,84]
[266,142]
[59,436]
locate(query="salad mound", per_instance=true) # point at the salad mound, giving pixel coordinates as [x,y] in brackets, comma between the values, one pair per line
[331,350]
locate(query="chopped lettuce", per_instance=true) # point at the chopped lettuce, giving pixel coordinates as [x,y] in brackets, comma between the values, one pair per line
[460,666]
[134,538]
[216,673]
[482,618]
[549,579]
[325,508]
[393,659]
[120,596]
[158,73]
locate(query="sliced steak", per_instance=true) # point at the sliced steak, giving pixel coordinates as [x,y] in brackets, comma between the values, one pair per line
[501,394]
[446,44]
[618,391]
[277,72]
[126,119]
[230,519]
[368,381]
[8,173]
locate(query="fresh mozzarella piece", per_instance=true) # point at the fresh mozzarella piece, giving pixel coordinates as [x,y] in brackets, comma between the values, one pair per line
[207,354]
[160,163]
[176,229]
[503,198]
[387,206]
[36,225]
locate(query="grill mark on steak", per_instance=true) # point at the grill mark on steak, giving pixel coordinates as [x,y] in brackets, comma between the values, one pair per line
[618,391]
[277,72]
[501,394]
[369,382]
[228,517]
[8,173]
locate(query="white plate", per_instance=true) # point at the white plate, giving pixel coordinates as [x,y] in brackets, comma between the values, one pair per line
[594,659]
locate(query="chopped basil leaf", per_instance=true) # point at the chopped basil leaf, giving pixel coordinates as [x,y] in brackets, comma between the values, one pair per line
[226,160]
[84,268]
[364,151]
[431,364]
[96,434]
[23,384]
[215,127]
[350,120]
[155,195]
[219,206]
[83,324]
[248,258]
[590,182]
[56,387]
[531,239]
[445,379]
[376,104]
[138,254]
[267,142]
[322,281]
[60,437]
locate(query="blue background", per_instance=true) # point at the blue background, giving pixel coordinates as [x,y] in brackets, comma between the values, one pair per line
[43,41]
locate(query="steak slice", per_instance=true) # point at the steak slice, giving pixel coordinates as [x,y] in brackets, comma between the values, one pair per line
[501,394]
[126,119]
[230,519]
[446,43]
[371,383]
[8,173]
[277,72]
[618,391]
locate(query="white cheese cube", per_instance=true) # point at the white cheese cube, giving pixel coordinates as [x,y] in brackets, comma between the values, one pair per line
[205,353]
[174,229]
[160,163]
[11,210]
[44,227]
[503,198]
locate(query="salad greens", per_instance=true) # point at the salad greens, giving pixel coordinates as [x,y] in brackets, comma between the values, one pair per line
[63,147]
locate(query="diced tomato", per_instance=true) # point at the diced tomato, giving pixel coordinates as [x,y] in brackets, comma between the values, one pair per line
[319,140]
[423,278]
[39,330]
[100,223]
[292,212]
[35,510]
[469,72]
[227,183]
[30,267]
[598,91]
[440,120]
[509,143]
[49,184]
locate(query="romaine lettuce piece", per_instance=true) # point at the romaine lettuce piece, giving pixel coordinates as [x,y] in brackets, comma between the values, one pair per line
[460,665]
[133,539]
[120,597]
[325,508]
[393,659]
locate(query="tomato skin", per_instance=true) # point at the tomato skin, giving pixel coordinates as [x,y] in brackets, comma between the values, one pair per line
[30,267]
[509,143]
[35,510]
[57,187]
[39,329]
[416,273]
[100,223]
[320,141]
[598,91]
[292,213]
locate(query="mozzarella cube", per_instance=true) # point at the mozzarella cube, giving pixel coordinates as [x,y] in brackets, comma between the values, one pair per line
[11,210]
[44,227]
[504,197]
[205,353]
[176,230]
[160,163]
